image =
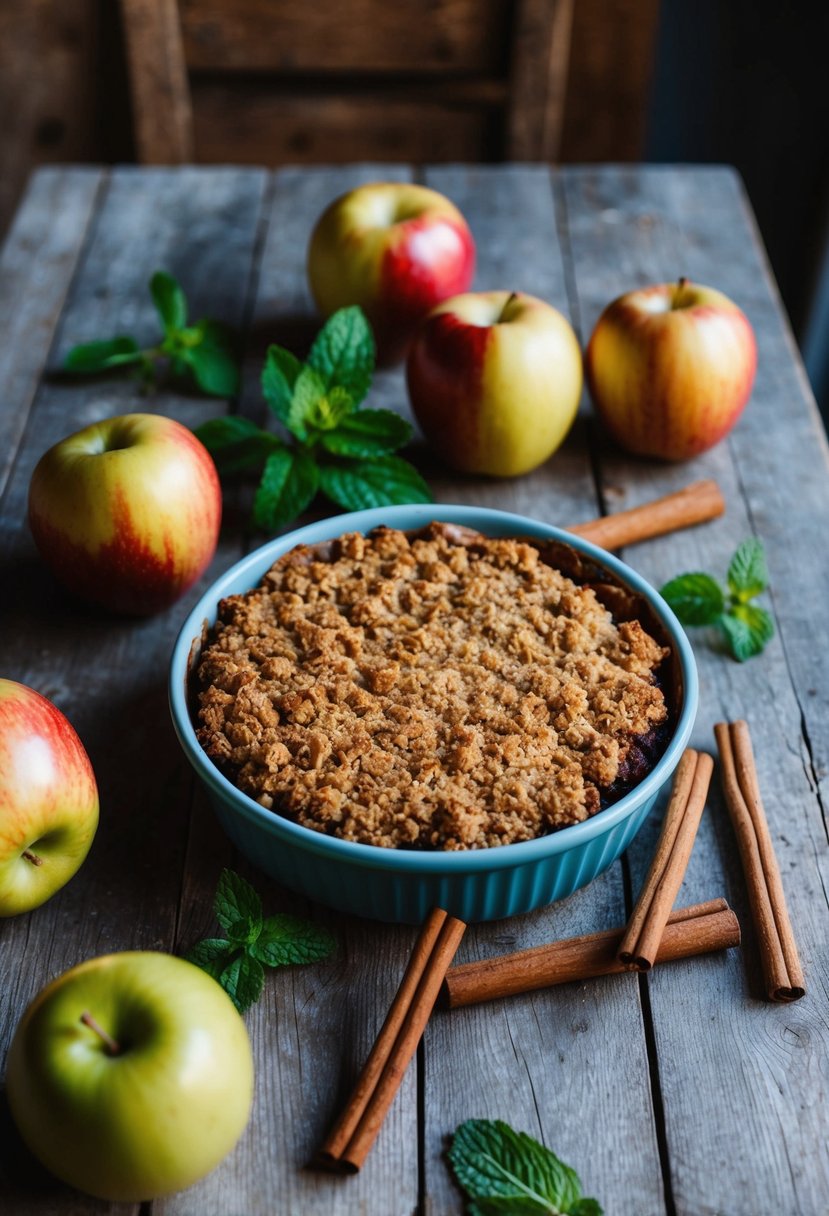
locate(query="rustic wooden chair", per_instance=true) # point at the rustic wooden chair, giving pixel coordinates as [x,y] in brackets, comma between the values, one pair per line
[269,81]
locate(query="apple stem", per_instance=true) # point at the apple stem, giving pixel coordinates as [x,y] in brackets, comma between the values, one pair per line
[113,1048]
[680,287]
[513,295]
[33,858]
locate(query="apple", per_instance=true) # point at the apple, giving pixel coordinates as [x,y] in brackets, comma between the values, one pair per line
[670,368]
[494,380]
[48,799]
[130,1076]
[394,248]
[127,511]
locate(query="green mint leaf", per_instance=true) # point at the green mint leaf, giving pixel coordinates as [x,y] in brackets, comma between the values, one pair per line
[169,300]
[236,904]
[279,375]
[210,357]
[368,433]
[585,1207]
[329,410]
[98,356]
[748,628]
[308,390]
[504,1171]
[373,483]
[243,981]
[287,939]
[343,352]
[212,954]
[748,573]
[697,599]
[289,483]
[236,444]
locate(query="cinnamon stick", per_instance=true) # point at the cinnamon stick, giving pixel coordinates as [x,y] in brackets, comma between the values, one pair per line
[700,501]
[352,1136]
[778,950]
[699,929]
[640,943]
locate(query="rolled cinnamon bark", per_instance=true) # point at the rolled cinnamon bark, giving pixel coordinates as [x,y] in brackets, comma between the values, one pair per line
[696,504]
[699,929]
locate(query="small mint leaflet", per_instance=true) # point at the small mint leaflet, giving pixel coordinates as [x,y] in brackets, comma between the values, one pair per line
[343,352]
[236,443]
[308,390]
[358,484]
[696,598]
[243,980]
[287,939]
[279,375]
[212,955]
[236,901]
[748,573]
[368,433]
[289,483]
[170,301]
[748,629]
[98,356]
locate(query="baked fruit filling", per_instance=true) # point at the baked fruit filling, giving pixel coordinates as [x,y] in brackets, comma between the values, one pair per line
[436,690]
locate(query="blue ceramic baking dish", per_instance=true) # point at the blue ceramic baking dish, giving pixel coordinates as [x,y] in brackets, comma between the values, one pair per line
[401,886]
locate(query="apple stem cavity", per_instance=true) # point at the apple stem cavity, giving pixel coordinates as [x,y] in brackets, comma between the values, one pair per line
[33,857]
[513,295]
[111,1046]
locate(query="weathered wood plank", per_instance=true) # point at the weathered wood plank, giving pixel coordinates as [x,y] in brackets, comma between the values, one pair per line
[535,1060]
[743,1093]
[315,1025]
[37,262]
[109,675]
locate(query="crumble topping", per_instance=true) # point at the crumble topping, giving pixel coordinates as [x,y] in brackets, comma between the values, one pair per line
[441,690]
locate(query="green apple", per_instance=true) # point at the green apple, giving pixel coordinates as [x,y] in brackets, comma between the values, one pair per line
[131,1076]
[48,799]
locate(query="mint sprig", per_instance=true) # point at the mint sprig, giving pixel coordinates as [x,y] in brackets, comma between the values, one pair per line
[698,599]
[504,1171]
[334,444]
[254,941]
[203,351]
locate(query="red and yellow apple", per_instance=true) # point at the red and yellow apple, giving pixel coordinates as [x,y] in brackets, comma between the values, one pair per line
[494,380]
[48,799]
[127,511]
[670,368]
[397,250]
[131,1076]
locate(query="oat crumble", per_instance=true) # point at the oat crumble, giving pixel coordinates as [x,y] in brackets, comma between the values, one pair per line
[440,690]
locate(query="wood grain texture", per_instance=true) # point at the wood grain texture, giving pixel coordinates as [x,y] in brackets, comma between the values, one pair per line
[744,1095]
[468,36]
[162,115]
[538,79]
[109,675]
[37,262]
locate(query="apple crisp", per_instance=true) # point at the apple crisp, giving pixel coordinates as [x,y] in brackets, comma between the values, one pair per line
[436,690]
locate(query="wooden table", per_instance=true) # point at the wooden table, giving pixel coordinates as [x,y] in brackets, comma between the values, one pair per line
[683,1092]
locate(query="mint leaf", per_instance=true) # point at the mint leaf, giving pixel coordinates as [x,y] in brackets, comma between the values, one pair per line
[97,356]
[375,483]
[236,443]
[504,1171]
[586,1207]
[748,573]
[368,433]
[287,939]
[695,598]
[243,981]
[330,409]
[308,390]
[289,483]
[236,902]
[279,375]
[169,300]
[212,955]
[343,352]
[211,359]
[747,628]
